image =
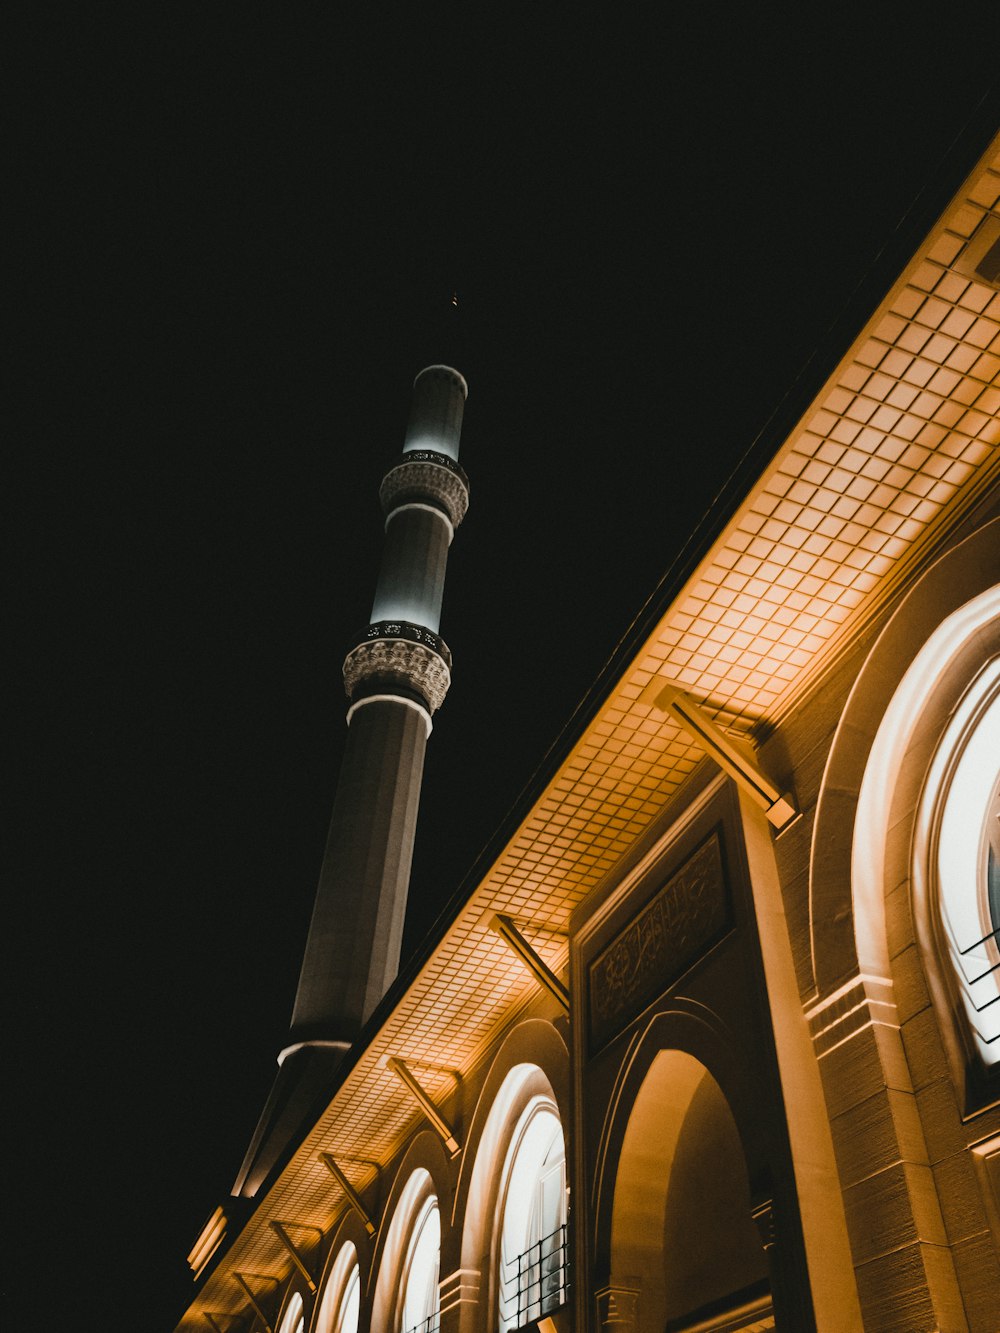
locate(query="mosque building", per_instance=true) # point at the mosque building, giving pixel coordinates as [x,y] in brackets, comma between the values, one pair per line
[714,1044]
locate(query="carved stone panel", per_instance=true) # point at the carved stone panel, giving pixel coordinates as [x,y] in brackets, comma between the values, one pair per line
[688,915]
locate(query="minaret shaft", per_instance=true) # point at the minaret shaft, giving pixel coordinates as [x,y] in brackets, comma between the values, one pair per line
[414,559]
[396,675]
[436,412]
[366,870]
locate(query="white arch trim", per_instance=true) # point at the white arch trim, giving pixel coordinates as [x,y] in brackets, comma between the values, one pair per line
[339,1308]
[293,1320]
[895,733]
[392,1304]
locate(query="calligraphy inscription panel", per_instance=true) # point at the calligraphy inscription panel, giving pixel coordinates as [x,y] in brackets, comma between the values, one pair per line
[687,915]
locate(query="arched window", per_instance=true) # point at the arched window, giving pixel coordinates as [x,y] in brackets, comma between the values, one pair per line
[421,1272]
[927,810]
[533,1251]
[293,1320]
[406,1298]
[340,1309]
[959,836]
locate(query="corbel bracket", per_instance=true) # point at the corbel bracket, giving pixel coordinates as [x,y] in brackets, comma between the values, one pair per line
[424,1102]
[208,1242]
[668,698]
[241,1278]
[349,1190]
[280,1229]
[512,937]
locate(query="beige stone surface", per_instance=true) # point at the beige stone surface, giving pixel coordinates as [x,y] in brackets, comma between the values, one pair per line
[924,1050]
[939,1115]
[890,1210]
[877,1133]
[979,1275]
[898,908]
[961,1201]
[909,984]
[894,1295]
[862,1065]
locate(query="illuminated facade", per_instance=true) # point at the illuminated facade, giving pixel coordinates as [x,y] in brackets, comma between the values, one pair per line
[715,1042]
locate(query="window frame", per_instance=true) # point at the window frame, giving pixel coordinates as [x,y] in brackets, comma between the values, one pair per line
[346,1269]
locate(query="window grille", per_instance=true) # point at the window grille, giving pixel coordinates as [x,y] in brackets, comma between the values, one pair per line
[432,1324]
[962,805]
[979,962]
[535,1283]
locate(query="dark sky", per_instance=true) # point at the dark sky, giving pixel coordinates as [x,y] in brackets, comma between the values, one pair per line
[239,226]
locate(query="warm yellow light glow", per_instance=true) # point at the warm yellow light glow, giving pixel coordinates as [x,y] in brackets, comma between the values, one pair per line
[208,1241]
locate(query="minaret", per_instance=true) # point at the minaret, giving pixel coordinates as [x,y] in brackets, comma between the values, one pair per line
[396,677]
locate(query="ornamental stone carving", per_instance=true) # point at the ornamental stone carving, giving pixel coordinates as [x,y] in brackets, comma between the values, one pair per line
[424,475]
[402,661]
[403,629]
[688,914]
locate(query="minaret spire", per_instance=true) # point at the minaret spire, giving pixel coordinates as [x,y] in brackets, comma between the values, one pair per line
[396,676]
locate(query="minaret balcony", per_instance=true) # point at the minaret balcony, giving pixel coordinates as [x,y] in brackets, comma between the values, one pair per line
[424,476]
[393,656]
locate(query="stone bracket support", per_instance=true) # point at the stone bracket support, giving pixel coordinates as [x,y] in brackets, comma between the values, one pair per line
[666,697]
[208,1242]
[543,974]
[241,1278]
[420,1096]
[352,1194]
[618,1308]
[280,1229]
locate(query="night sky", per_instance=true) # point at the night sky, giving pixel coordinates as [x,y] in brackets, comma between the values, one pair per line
[241,228]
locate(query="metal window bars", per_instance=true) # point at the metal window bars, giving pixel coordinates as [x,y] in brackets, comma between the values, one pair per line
[990,939]
[535,1283]
[432,1324]
[977,944]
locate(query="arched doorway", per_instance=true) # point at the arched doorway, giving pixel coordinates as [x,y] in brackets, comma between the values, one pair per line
[684,1245]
